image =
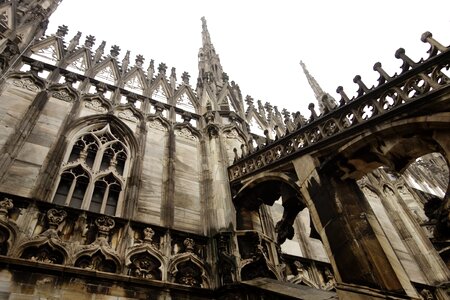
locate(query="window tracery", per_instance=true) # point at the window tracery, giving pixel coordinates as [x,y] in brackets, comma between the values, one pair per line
[94,172]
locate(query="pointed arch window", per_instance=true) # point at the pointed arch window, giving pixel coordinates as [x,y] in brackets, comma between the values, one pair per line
[93,176]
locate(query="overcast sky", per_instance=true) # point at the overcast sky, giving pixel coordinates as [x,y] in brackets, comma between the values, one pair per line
[260,43]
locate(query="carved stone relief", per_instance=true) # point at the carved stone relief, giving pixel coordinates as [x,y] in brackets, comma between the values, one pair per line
[95,105]
[26,84]
[186,133]
[128,115]
[156,124]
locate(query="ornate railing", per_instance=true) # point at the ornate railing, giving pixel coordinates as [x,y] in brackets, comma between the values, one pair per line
[372,105]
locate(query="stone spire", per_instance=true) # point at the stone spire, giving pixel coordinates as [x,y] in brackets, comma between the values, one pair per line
[25,21]
[326,101]
[209,67]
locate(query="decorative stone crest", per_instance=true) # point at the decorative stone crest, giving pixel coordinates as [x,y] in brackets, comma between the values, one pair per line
[104,225]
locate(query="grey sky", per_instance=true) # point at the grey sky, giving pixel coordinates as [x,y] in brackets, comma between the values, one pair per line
[260,43]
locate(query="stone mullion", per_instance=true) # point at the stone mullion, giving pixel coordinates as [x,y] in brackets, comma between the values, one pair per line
[167,205]
[206,188]
[23,130]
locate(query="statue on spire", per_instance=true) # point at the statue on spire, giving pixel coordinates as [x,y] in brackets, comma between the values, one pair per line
[204,24]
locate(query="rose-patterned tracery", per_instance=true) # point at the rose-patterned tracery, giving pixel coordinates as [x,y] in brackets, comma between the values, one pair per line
[93,175]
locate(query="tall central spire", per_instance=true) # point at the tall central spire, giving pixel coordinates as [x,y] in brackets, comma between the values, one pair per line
[325,100]
[206,38]
[209,67]
[318,92]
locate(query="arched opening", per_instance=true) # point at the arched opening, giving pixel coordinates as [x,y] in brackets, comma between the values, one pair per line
[94,173]
[43,253]
[189,274]
[403,171]
[97,262]
[273,224]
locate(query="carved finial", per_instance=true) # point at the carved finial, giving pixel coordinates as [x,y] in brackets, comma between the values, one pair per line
[5,205]
[99,52]
[162,68]
[115,51]
[249,100]
[173,78]
[189,244]
[89,42]
[407,62]
[55,217]
[362,87]
[266,134]
[344,97]
[286,115]
[204,26]
[62,31]
[268,107]
[74,42]
[383,75]
[125,62]
[185,77]
[427,37]
[299,119]
[151,69]
[313,111]
[225,77]
[139,61]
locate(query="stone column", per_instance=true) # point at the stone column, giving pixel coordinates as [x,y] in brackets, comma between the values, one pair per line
[364,263]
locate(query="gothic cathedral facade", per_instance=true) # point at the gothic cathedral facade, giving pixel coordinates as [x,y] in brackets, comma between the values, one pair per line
[115,184]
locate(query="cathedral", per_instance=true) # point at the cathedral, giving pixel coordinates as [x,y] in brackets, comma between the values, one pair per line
[121,180]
